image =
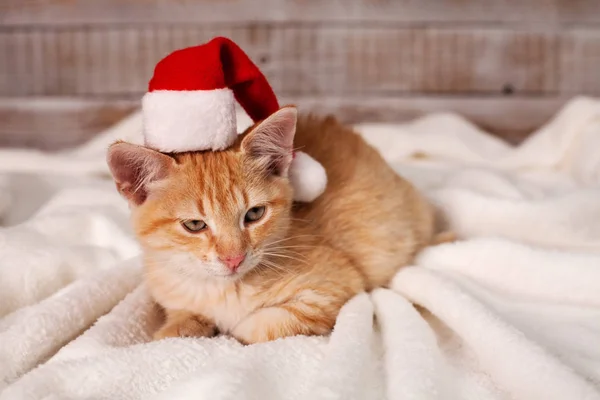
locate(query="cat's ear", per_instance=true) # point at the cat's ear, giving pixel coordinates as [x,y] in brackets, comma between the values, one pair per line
[134,168]
[270,144]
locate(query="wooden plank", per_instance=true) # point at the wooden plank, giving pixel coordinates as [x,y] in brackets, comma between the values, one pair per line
[510,118]
[51,123]
[50,73]
[298,60]
[391,61]
[5,78]
[580,62]
[53,12]
[578,11]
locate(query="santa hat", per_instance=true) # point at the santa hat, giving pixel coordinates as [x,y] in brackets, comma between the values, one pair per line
[190,106]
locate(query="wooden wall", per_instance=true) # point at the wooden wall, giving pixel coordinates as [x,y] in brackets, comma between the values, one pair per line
[508,65]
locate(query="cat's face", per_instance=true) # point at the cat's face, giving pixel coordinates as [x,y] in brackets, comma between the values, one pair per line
[210,214]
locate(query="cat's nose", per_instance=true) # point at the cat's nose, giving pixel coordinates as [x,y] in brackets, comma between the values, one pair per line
[233,262]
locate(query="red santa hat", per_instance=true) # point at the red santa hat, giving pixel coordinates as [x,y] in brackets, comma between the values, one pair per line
[190,106]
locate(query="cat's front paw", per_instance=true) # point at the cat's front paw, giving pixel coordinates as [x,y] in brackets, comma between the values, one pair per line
[188,327]
[275,323]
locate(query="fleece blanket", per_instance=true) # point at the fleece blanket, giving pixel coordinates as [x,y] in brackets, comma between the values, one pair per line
[509,311]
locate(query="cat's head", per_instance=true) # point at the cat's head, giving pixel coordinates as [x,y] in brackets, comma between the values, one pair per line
[210,214]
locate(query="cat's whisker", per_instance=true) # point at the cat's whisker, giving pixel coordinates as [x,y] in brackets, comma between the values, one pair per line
[284,250]
[278,270]
[272,268]
[271,263]
[295,237]
[275,265]
[301,258]
[291,238]
[278,273]
[286,256]
[284,245]
[289,247]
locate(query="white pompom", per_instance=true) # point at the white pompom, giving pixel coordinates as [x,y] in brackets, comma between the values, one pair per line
[308,177]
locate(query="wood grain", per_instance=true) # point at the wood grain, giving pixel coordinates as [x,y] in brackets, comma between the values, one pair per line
[506,64]
[580,61]
[52,12]
[52,124]
[420,60]
[578,11]
[118,61]
[511,119]
[56,123]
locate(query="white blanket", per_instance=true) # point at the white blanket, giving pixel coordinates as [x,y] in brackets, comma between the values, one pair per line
[512,311]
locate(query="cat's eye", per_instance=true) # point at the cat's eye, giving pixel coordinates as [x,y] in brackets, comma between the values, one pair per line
[254,214]
[194,225]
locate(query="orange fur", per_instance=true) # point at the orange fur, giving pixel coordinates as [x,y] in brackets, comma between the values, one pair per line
[304,261]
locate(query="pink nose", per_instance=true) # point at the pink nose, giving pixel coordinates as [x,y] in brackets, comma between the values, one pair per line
[233,262]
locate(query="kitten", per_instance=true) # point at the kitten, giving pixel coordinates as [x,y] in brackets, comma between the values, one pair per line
[226,250]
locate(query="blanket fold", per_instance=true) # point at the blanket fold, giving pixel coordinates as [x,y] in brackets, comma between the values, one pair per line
[510,311]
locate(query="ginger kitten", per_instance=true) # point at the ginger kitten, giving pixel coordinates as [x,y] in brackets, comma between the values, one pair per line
[226,250]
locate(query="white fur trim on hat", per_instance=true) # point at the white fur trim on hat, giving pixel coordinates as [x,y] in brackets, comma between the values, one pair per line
[308,177]
[179,121]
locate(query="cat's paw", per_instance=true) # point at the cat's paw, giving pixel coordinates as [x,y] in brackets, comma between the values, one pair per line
[189,327]
[275,323]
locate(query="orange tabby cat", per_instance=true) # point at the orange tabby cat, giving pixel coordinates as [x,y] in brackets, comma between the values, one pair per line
[225,250]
